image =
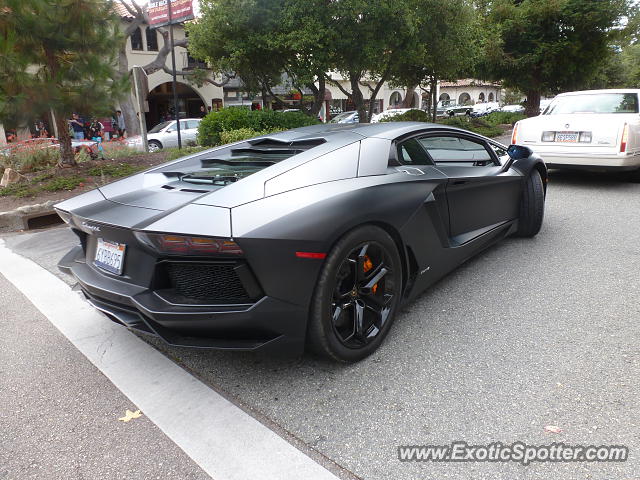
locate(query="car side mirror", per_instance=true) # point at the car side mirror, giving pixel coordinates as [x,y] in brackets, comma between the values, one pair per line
[516,152]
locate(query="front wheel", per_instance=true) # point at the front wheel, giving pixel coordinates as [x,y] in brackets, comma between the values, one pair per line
[357,295]
[531,206]
[154,146]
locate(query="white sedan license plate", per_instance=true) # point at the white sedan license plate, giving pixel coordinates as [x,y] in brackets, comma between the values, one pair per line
[567,137]
[110,256]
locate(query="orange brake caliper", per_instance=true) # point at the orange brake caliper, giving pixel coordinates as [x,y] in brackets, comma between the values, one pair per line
[368,265]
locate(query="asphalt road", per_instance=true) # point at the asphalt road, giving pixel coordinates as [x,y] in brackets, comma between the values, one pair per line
[533,332]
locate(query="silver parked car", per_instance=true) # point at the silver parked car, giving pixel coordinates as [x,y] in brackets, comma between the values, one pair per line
[165,134]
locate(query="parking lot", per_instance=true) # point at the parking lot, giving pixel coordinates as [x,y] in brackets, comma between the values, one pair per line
[531,333]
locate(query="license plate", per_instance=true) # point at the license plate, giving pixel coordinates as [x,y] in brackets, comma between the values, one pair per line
[110,256]
[567,137]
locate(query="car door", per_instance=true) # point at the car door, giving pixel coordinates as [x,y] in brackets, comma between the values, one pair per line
[480,195]
[191,131]
[170,136]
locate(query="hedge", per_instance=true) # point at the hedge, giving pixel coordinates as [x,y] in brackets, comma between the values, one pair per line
[212,126]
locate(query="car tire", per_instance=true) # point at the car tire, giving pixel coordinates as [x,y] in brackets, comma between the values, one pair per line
[338,307]
[154,146]
[531,206]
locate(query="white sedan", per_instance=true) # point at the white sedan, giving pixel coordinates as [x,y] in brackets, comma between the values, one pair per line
[165,135]
[392,112]
[594,129]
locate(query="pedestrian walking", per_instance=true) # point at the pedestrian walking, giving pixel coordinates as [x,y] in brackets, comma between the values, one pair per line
[96,129]
[121,125]
[77,126]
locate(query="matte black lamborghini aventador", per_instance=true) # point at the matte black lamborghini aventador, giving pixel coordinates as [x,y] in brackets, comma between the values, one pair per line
[312,236]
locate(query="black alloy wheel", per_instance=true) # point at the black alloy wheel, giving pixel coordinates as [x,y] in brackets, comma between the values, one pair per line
[357,295]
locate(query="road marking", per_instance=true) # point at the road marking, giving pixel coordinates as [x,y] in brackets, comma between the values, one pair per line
[223,440]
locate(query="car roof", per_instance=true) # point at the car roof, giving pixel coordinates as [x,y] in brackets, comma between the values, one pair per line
[387,130]
[606,90]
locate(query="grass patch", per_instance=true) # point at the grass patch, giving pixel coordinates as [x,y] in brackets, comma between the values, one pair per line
[114,171]
[19,190]
[175,153]
[63,183]
[41,178]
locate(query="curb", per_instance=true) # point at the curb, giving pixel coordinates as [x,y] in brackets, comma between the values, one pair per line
[22,218]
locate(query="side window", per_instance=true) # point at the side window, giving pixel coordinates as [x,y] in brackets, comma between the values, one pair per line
[501,153]
[458,151]
[192,124]
[152,39]
[136,40]
[411,153]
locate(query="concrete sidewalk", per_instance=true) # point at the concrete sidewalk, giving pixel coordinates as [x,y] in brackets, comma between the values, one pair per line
[59,414]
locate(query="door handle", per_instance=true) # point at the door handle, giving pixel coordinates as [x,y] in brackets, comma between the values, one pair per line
[459,182]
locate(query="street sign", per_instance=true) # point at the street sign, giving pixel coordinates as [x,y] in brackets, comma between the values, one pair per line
[159,16]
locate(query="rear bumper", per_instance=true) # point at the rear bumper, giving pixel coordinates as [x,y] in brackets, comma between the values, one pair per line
[593,161]
[269,325]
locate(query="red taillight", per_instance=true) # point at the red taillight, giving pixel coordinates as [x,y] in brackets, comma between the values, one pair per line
[317,255]
[514,135]
[624,139]
[188,245]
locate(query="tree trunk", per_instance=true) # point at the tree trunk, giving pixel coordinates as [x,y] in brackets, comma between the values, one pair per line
[318,95]
[266,105]
[434,98]
[131,122]
[357,97]
[532,108]
[409,98]
[66,152]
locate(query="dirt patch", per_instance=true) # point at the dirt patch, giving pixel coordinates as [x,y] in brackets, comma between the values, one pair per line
[58,184]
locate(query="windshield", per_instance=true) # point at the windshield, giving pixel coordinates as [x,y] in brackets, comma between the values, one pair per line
[594,103]
[159,127]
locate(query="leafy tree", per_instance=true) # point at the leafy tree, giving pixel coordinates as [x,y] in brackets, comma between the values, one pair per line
[259,40]
[59,55]
[445,46]
[239,36]
[545,46]
[367,44]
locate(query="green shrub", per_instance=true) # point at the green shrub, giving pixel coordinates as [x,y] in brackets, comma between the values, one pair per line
[502,118]
[239,118]
[232,136]
[476,125]
[410,116]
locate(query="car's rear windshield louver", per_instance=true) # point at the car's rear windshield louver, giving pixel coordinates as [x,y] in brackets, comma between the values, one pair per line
[302,144]
[233,163]
[263,148]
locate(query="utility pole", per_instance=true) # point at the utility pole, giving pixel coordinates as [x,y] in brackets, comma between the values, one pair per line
[173,65]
